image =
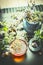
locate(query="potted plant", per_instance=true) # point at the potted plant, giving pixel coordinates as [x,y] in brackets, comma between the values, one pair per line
[3,29]
[7,34]
[35,44]
[32,21]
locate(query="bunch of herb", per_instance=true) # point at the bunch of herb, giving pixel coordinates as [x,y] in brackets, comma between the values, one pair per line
[35,16]
[38,35]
